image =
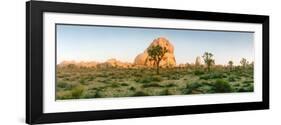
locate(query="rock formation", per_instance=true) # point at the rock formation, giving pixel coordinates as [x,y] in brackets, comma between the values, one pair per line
[168,60]
[80,64]
[114,63]
[107,64]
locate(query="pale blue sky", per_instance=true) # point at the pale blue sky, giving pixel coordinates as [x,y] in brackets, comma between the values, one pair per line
[99,43]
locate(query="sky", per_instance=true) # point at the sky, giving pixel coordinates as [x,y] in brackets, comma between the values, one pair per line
[100,43]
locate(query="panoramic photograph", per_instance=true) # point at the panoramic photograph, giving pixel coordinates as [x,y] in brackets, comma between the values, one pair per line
[109,62]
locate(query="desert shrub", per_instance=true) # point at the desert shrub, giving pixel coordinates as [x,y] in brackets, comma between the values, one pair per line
[151,85]
[206,89]
[98,94]
[121,75]
[124,84]
[245,84]
[82,81]
[77,91]
[102,75]
[250,88]
[190,87]
[174,77]
[91,78]
[63,95]
[236,84]
[248,81]
[219,86]
[217,75]
[60,75]
[245,88]
[166,92]
[198,72]
[241,89]
[114,85]
[71,66]
[140,93]
[143,80]
[222,86]
[132,88]
[65,86]
[156,78]
[66,79]
[194,85]
[62,84]
[205,77]
[106,81]
[231,79]
[170,85]
[149,79]
[89,94]
[212,76]
[137,74]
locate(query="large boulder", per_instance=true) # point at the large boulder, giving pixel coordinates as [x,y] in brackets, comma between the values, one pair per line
[169,57]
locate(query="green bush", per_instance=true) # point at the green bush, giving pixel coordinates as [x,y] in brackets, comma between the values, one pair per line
[89,94]
[212,76]
[151,85]
[245,87]
[166,92]
[231,79]
[248,81]
[143,80]
[61,84]
[190,87]
[77,91]
[140,93]
[149,79]
[206,89]
[222,86]
[132,88]
[219,86]
[91,78]
[114,85]
[156,78]
[198,72]
[170,85]
[65,86]
[124,84]
[82,81]
[174,77]
[98,94]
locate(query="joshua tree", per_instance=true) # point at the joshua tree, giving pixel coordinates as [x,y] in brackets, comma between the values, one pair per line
[208,59]
[156,54]
[230,64]
[244,62]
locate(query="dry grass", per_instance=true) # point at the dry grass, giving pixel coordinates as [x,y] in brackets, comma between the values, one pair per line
[81,83]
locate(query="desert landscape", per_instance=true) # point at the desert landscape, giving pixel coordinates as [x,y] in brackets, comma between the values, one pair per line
[153,72]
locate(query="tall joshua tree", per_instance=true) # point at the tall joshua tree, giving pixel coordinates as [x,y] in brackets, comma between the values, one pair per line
[244,62]
[156,54]
[230,64]
[208,59]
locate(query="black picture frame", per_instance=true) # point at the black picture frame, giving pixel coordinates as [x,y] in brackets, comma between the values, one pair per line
[34,61]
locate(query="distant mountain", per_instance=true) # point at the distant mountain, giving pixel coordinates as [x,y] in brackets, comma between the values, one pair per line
[109,63]
[114,63]
[81,63]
